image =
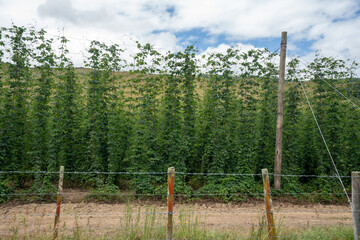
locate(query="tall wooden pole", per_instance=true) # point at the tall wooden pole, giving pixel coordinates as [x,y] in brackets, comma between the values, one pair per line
[355,195]
[58,206]
[267,199]
[280,113]
[170,200]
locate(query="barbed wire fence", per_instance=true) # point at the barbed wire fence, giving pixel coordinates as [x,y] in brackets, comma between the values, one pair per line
[7,216]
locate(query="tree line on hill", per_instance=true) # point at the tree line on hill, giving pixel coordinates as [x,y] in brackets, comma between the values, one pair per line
[209,114]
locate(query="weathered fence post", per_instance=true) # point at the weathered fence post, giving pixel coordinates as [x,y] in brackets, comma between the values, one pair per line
[170,201]
[57,214]
[280,110]
[355,195]
[267,198]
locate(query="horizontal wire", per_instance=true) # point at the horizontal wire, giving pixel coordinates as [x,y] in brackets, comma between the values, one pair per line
[164,194]
[174,225]
[319,176]
[160,173]
[221,174]
[75,172]
[182,225]
[232,225]
[248,237]
[86,214]
[180,213]
[317,222]
[238,212]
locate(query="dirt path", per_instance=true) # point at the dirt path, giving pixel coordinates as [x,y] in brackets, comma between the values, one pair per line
[36,218]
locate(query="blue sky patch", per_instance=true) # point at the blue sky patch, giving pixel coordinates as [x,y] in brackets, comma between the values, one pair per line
[302,48]
[171,11]
[202,40]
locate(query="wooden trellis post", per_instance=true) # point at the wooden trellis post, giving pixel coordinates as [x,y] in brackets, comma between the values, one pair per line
[170,201]
[280,113]
[267,198]
[58,206]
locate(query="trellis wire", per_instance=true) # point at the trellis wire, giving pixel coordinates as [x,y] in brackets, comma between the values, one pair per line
[177,213]
[163,173]
[75,172]
[163,194]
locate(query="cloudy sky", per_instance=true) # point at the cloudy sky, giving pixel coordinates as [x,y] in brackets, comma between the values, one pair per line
[329,26]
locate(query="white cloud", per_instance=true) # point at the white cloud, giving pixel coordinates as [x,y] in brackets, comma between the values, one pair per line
[164,41]
[340,38]
[223,47]
[332,25]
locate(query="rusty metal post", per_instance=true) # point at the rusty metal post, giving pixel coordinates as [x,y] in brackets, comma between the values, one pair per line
[170,201]
[267,198]
[58,206]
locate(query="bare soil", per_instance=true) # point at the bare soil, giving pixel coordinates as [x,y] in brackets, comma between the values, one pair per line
[76,214]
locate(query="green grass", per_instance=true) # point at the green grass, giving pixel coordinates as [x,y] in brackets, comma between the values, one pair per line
[197,232]
[332,232]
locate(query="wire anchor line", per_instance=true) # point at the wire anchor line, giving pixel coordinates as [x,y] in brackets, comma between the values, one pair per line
[327,148]
[354,104]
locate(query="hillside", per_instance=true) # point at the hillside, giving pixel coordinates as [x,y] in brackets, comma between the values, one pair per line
[171,110]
